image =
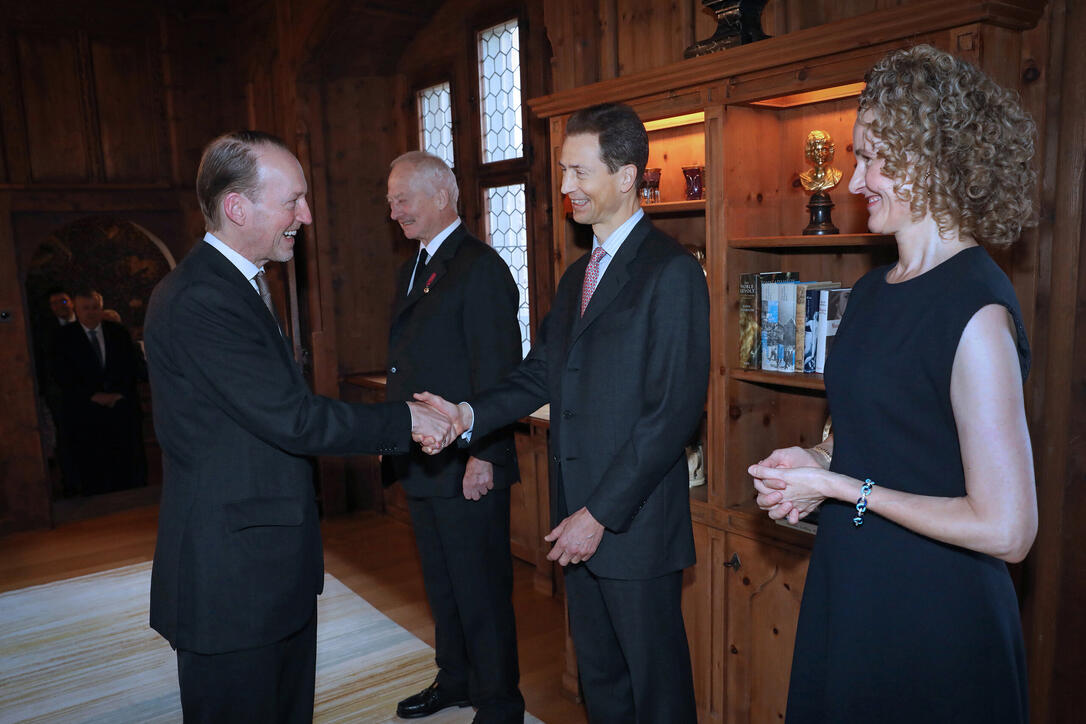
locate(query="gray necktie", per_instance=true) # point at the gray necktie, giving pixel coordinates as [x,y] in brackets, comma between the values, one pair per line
[93,334]
[265,294]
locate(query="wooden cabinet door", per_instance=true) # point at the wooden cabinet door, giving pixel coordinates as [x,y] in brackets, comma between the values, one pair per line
[763,589]
[703,600]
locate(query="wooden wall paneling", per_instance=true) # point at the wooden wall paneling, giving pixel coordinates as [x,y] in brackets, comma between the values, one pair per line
[367,248]
[57,133]
[24,485]
[649,35]
[526,531]
[536,77]
[127,84]
[1034,83]
[1056,569]
[315,289]
[203,88]
[610,64]
[13,160]
[573,29]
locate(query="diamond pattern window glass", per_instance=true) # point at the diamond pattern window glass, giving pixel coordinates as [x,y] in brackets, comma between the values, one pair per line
[435,121]
[499,82]
[507,229]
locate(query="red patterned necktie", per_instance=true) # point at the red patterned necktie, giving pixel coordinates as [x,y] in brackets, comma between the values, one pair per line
[591,277]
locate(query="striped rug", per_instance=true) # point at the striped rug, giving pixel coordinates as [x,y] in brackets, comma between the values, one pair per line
[80,650]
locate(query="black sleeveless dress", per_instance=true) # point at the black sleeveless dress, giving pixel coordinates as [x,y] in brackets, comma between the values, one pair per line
[894,626]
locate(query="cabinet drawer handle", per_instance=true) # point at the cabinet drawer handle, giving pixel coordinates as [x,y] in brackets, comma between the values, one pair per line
[734,563]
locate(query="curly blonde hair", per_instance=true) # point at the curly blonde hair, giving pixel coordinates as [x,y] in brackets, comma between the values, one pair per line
[953,141]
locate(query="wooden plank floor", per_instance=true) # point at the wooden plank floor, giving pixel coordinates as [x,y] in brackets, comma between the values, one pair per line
[371,554]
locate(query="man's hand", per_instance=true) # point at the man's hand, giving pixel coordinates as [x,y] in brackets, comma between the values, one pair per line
[106,399]
[478,478]
[430,428]
[459,414]
[575,539]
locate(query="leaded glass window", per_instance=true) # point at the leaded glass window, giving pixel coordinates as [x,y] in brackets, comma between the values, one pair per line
[435,121]
[499,97]
[507,228]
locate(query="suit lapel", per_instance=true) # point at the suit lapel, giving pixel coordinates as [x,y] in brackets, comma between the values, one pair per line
[613,280]
[436,268]
[222,266]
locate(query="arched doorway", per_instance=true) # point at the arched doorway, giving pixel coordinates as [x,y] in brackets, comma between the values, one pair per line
[121,261]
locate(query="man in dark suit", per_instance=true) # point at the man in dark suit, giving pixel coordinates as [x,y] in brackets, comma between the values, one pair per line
[61,314]
[623,360]
[238,564]
[97,368]
[455,332]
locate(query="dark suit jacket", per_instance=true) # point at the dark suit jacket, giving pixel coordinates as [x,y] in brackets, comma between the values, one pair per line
[76,368]
[626,384]
[454,340]
[238,562]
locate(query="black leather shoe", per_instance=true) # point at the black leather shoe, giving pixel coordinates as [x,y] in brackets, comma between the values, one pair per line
[429,701]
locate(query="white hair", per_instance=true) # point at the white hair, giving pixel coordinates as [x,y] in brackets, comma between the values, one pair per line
[432,170]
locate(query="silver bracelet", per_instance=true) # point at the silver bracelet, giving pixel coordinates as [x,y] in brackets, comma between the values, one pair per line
[861,504]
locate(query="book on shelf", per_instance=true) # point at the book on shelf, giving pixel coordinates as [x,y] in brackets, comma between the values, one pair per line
[807,322]
[750,314]
[831,307]
[749,327]
[786,318]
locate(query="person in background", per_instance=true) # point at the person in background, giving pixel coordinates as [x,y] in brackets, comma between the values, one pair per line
[454,331]
[97,368]
[926,487]
[61,313]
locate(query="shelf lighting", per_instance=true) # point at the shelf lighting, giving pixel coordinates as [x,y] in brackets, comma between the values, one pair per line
[684,120]
[802,99]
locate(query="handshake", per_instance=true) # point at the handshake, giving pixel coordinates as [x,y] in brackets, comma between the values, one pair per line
[436,422]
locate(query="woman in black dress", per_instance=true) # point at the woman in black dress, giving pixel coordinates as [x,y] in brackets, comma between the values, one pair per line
[926,486]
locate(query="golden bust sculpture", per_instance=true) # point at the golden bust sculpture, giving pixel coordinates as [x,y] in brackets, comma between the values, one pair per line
[819,151]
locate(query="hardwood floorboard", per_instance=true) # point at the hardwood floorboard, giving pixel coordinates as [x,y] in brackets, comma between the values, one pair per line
[373,555]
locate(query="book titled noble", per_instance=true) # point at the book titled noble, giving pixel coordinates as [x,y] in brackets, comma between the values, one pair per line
[807,322]
[749,328]
[750,314]
[831,307]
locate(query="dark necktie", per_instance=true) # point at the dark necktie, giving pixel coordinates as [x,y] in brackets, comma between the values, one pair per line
[265,294]
[420,270]
[93,334]
[591,277]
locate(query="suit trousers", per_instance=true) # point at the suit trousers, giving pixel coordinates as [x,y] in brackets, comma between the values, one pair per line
[632,653]
[467,569]
[272,684]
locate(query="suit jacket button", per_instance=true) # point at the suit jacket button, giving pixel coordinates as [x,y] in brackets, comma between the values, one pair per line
[392,370]
[554,458]
[567,414]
